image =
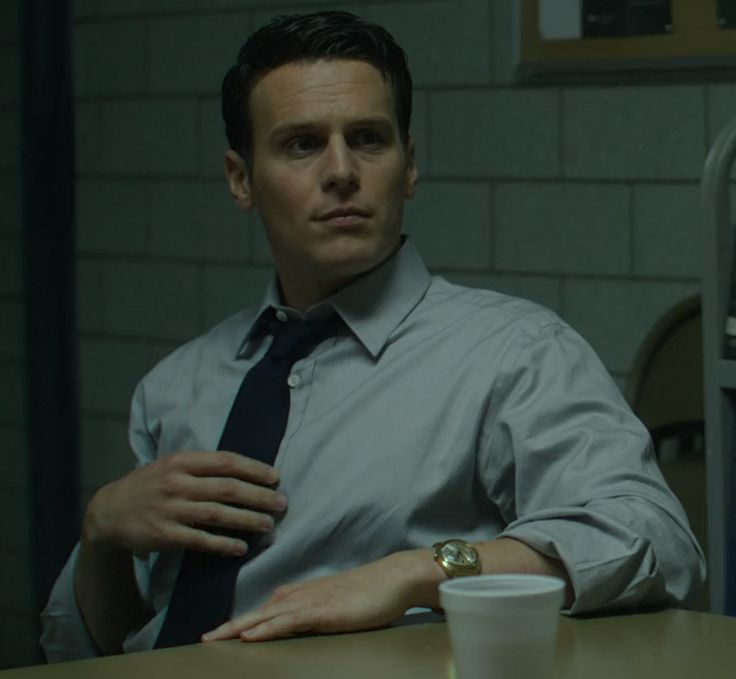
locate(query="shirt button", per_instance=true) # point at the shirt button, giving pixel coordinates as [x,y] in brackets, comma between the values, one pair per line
[294,380]
[281,315]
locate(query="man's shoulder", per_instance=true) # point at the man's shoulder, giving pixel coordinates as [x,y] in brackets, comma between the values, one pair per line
[487,308]
[221,342]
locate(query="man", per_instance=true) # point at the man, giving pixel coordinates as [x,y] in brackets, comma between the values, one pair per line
[432,413]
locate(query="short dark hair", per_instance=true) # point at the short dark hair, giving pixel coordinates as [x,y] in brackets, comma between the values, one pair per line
[308,38]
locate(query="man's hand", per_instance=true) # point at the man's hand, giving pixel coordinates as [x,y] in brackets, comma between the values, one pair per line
[376,594]
[180,502]
[367,597]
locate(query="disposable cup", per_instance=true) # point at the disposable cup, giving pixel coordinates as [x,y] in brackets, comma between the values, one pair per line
[503,626]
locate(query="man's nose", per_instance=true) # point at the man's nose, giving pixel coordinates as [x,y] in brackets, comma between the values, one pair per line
[340,167]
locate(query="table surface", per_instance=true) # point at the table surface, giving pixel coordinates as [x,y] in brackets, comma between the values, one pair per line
[671,644]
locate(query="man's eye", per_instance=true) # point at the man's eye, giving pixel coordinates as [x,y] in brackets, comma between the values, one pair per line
[301,146]
[368,139]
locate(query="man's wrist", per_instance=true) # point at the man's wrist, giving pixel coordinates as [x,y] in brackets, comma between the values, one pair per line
[423,576]
[93,534]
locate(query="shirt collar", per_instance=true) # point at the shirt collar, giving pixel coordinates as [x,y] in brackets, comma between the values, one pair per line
[375,304]
[372,306]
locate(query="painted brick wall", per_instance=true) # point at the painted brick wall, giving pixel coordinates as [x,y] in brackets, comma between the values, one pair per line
[581,198]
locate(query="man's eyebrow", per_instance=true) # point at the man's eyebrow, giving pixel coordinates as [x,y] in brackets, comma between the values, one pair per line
[301,126]
[291,128]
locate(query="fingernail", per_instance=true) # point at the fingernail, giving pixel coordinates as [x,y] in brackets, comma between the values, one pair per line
[281,502]
[249,634]
[267,524]
[272,475]
[239,548]
[207,637]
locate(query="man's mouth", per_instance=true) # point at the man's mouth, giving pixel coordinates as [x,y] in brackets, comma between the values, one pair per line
[344,216]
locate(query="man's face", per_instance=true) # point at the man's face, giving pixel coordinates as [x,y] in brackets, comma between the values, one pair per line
[329,173]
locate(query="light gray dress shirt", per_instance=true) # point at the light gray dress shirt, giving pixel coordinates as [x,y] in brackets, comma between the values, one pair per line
[440,411]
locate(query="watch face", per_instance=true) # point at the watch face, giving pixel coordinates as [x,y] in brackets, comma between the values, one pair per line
[459,553]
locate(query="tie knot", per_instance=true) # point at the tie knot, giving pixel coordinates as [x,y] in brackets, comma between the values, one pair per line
[293,338]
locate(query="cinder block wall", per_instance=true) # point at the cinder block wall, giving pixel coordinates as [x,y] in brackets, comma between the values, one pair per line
[583,198]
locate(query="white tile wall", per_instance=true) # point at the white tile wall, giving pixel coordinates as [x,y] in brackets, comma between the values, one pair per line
[9,140]
[109,371]
[634,132]
[564,228]
[191,54]
[449,223]
[105,452]
[12,336]
[197,220]
[494,133]
[138,138]
[112,217]
[616,315]
[668,230]
[15,474]
[9,22]
[111,58]
[10,265]
[466,25]
[9,204]
[9,75]
[152,299]
[13,393]
[229,288]
[721,108]
[18,641]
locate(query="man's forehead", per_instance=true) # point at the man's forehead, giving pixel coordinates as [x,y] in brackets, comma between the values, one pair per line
[292,74]
[296,89]
[306,63]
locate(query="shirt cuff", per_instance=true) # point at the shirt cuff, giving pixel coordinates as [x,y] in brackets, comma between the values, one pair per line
[65,636]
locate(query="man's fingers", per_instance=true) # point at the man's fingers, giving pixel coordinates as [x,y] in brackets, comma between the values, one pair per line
[269,623]
[233,628]
[224,463]
[217,515]
[199,540]
[294,622]
[231,491]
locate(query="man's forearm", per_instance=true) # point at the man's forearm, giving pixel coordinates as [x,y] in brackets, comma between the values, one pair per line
[375,594]
[107,595]
[504,555]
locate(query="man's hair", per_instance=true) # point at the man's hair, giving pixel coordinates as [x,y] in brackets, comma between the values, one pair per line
[308,38]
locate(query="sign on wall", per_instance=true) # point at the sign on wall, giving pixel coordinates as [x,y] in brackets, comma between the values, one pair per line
[569,37]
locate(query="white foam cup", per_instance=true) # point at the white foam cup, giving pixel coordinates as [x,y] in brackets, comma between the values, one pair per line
[503,626]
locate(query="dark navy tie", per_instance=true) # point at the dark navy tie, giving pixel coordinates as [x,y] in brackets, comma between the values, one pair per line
[202,597]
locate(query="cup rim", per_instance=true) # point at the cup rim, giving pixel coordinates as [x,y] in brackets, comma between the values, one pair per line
[503,585]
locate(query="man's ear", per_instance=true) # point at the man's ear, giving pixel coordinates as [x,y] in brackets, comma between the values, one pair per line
[238,180]
[412,174]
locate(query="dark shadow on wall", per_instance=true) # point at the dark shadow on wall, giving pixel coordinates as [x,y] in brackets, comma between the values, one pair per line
[47,152]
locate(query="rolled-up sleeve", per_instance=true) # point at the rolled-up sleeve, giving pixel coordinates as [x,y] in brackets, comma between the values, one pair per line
[586,487]
[64,634]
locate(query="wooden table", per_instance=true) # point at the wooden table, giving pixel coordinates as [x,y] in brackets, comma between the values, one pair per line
[668,644]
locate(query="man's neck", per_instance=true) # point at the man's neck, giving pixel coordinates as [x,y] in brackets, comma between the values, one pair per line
[306,294]
[303,292]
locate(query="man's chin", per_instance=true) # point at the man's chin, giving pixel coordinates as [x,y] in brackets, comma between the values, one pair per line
[353,263]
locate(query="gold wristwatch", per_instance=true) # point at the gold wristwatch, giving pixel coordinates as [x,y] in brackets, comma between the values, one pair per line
[457,558]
